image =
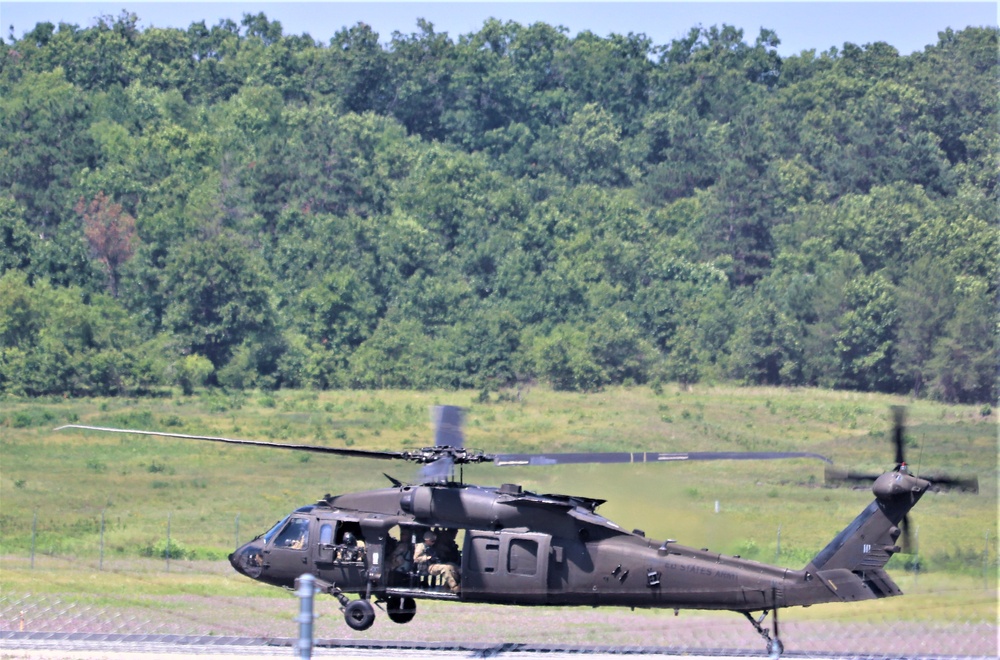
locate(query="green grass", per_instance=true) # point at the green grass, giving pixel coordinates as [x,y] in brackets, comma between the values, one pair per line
[69,478]
[139,484]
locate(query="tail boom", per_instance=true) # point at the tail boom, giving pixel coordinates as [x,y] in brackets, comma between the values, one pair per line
[852,566]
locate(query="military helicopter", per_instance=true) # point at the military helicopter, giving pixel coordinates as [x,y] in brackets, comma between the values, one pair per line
[507,545]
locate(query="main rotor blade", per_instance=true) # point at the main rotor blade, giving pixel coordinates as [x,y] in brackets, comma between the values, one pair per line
[506,460]
[360,453]
[438,471]
[447,422]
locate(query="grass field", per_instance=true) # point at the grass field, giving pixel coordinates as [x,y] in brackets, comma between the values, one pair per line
[55,486]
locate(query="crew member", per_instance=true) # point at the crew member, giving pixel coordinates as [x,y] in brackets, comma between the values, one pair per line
[428,558]
[351,549]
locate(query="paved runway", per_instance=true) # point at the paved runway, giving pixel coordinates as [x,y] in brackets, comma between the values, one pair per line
[67,646]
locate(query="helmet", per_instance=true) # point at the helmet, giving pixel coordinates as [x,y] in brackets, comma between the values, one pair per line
[349,539]
[429,537]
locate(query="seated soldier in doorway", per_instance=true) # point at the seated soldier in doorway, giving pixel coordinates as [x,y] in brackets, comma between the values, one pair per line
[428,557]
[400,556]
[447,548]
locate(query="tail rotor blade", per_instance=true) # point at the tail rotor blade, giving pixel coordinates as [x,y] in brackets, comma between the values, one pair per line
[946,482]
[907,543]
[833,475]
[898,421]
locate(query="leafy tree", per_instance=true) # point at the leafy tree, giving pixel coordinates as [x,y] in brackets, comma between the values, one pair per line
[867,337]
[339,312]
[684,153]
[615,73]
[964,363]
[421,66]
[16,239]
[565,359]
[739,211]
[507,204]
[766,347]
[111,234]
[63,340]
[618,346]
[593,151]
[63,258]
[955,76]
[355,70]
[926,303]
[43,144]
[217,293]
[487,350]
[399,354]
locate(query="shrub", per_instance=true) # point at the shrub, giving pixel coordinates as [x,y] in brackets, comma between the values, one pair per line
[192,371]
[160,548]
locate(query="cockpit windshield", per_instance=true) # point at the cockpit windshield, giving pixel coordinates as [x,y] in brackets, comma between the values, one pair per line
[269,534]
[295,534]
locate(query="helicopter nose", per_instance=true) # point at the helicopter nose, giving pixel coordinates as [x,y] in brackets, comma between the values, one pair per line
[248,560]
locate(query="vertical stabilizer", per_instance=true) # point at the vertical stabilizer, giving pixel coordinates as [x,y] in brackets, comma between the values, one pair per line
[870,540]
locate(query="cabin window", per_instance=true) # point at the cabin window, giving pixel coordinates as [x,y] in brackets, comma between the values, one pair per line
[522,557]
[326,534]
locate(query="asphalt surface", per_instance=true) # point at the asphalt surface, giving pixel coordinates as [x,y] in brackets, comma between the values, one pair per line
[69,646]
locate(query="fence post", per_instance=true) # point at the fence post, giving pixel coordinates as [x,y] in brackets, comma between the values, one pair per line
[986,561]
[305,590]
[168,543]
[100,565]
[34,529]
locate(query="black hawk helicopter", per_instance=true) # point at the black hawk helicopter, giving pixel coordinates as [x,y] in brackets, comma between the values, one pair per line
[401,543]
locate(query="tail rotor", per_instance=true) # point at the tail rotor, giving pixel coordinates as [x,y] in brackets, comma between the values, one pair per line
[907,540]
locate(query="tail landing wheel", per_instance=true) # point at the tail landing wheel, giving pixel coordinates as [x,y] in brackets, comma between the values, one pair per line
[774,646]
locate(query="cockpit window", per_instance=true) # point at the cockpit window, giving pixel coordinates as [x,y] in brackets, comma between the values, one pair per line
[295,535]
[269,534]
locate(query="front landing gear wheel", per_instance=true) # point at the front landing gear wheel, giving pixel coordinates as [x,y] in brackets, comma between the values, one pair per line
[775,648]
[400,610]
[359,614]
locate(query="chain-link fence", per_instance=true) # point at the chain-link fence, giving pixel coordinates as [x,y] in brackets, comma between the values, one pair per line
[938,616]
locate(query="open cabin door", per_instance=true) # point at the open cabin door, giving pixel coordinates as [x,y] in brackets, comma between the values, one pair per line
[338,562]
[506,567]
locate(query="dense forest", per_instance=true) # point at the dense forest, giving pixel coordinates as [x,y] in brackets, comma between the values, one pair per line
[237,207]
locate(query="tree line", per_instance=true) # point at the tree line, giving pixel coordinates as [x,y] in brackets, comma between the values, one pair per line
[235,206]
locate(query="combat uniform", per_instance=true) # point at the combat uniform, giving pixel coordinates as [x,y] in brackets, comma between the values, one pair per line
[426,556]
